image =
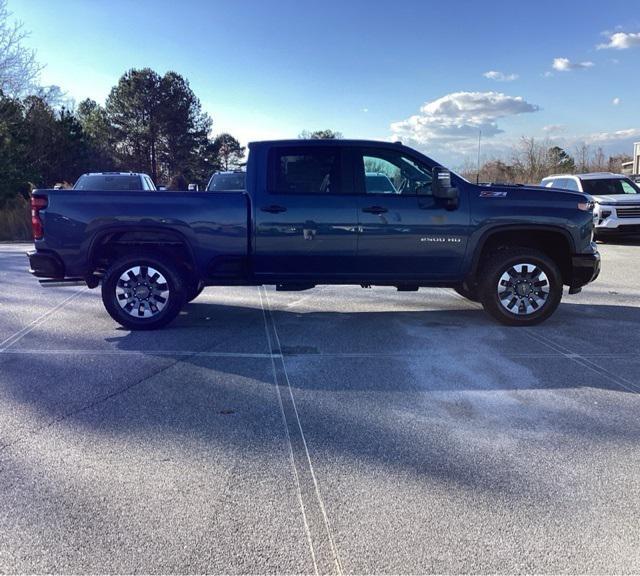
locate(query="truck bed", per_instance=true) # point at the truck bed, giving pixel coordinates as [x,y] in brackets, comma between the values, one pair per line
[215,225]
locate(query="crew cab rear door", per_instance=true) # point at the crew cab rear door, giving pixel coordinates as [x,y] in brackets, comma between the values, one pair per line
[404,232]
[305,215]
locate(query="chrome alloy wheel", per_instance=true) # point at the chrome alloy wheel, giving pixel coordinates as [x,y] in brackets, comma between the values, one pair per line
[523,289]
[142,291]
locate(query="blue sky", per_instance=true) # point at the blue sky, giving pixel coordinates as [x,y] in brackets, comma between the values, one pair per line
[417,70]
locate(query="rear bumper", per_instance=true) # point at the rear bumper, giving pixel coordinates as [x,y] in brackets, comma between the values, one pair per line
[586,268]
[45,264]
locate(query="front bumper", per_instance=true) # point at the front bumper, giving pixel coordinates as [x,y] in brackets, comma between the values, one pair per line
[585,269]
[45,264]
[613,220]
[620,230]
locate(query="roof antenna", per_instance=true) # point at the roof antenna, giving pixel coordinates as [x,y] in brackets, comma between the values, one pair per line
[478,172]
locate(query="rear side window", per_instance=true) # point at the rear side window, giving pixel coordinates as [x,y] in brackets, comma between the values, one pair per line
[105,182]
[305,170]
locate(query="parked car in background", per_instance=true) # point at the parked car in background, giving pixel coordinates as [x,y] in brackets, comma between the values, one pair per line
[617,198]
[124,181]
[228,181]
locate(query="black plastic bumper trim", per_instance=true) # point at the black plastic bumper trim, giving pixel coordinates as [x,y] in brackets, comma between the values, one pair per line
[45,264]
[586,268]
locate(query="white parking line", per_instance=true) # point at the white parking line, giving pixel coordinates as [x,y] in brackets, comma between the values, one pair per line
[267,311]
[290,445]
[585,362]
[11,340]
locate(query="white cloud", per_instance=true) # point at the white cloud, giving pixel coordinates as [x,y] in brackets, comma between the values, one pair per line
[365,109]
[603,138]
[565,65]
[621,41]
[553,128]
[500,76]
[615,101]
[455,119]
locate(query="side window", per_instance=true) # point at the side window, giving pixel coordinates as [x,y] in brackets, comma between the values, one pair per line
[570,184]
[627,188]
[305,170]
[390,172]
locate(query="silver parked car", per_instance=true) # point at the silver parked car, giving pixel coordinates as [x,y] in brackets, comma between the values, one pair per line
[617,198]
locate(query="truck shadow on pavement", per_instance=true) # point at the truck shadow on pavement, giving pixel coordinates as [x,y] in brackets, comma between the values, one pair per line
[437,393]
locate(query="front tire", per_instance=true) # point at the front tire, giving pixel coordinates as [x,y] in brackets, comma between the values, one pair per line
[520,286]
[143,291]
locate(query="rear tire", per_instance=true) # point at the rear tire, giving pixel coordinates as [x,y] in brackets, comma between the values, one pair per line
[520,286]
[143,291]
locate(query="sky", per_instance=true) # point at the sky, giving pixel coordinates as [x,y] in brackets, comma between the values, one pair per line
[431,74]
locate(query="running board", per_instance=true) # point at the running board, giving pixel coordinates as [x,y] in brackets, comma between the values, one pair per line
[52,282]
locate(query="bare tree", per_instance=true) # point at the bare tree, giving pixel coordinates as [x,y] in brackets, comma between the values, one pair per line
[600,162]
[531,160]
[18,66]
[583,156]
[616,162]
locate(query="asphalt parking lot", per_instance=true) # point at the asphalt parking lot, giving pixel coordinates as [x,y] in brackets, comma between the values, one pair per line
[334,430]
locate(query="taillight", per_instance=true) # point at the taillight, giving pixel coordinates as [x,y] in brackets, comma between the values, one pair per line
[37,204]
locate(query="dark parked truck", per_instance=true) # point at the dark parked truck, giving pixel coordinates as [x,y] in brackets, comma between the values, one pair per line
[313,214]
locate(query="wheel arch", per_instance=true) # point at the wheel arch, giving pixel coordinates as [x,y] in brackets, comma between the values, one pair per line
[108,245]
[554,241]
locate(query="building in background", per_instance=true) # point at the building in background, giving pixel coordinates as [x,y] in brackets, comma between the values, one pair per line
[633,166]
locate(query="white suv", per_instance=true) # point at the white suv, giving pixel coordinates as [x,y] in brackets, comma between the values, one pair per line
[617,198]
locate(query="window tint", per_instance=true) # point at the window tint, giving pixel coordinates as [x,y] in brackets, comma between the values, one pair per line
[390,172]
[108,182]
[305,170]
[609,186]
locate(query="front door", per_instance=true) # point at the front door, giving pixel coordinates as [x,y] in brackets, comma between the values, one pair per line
[404,232]
[306,220]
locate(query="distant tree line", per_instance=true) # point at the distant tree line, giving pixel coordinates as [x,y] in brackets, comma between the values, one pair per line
[532,160]
[149,123]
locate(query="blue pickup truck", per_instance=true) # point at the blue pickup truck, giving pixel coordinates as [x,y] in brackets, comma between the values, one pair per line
[311,215]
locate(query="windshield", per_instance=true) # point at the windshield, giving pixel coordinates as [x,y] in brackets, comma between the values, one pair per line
[610,186]
[111,182]
[227,182]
